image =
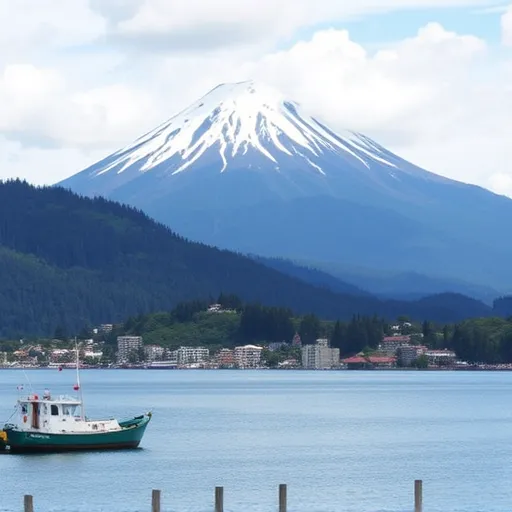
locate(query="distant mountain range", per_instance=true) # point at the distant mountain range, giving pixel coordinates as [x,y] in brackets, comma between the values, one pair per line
[245,168]
[70,262]
[356,281]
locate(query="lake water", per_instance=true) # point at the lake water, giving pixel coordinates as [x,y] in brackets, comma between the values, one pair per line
[343,442]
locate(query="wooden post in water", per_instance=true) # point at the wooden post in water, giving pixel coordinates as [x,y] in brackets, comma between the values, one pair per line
[28,503]
[219,499]
[418,496]
[282,497]
[155,500]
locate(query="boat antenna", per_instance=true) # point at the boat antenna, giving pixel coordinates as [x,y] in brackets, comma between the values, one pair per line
[78,386]
[25,373]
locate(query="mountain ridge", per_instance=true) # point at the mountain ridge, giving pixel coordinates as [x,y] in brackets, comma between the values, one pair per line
[400,286]
[71,261]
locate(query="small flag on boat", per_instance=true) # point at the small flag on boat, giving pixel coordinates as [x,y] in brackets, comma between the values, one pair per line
[20,387]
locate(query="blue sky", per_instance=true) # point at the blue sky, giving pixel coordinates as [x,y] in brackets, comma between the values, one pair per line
[483,22]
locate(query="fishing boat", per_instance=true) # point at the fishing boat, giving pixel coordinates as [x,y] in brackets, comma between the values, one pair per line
[57,424]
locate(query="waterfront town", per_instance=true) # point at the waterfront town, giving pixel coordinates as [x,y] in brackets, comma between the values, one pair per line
[399,351]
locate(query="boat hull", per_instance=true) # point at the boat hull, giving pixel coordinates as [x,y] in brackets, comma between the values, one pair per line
[129,436]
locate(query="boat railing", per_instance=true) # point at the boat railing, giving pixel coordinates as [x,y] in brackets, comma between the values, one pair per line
[56,398]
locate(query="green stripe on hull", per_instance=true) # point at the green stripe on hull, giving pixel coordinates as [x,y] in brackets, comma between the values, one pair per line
[129,437]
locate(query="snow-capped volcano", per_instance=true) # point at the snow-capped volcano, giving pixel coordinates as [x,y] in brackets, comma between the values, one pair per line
[243,126]
[234,119]
[246,168]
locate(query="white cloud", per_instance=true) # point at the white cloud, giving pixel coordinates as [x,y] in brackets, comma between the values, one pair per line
[439,98]
[112,112]
[506,27]
[41,166]
[24,92]
[30,25]
[436,99]
[196,24]
[336,76]
[493,9]
[501,184]
[116,10]
[38,105]
[163,16]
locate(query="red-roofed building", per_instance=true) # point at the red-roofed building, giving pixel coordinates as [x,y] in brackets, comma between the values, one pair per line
[390,344]
[354,360]
[369,362]
[382,360]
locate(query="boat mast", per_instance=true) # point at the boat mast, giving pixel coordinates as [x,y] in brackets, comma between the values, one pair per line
[82,411]
[25,373]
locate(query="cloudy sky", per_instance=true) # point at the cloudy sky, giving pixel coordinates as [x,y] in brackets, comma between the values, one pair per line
[429,79]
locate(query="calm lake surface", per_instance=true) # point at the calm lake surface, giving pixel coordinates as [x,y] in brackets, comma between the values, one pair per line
[343,442]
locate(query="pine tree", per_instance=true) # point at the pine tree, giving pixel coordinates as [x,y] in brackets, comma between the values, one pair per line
[309,329]
[338,336]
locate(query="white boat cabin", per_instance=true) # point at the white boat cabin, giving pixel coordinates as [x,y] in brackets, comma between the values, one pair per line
[63,414]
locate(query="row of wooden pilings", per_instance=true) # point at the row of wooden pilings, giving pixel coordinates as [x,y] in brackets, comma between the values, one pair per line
[219,499]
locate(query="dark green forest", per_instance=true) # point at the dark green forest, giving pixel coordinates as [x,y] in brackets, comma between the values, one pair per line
[70,261]
[481,340]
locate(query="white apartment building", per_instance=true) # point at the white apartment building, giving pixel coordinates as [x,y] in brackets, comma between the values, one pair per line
[171,355]
[127,345]
[320,356]
[225,357]
[154,353]
[93,354]
[248,356]
[187,355]
[441,357]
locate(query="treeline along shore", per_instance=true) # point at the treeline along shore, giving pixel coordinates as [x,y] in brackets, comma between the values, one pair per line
[228,322]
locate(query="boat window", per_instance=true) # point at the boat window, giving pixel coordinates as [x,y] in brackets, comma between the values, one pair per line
[68,410]
[55,410]
[24,409]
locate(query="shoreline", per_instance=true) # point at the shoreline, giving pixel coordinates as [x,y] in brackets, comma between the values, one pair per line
[470,369]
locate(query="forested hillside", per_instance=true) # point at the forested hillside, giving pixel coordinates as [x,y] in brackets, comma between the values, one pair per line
[190,324]
[479,340]
[70,261]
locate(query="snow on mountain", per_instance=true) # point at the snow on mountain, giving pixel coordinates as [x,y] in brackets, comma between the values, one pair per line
[244,127]
[233,119]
